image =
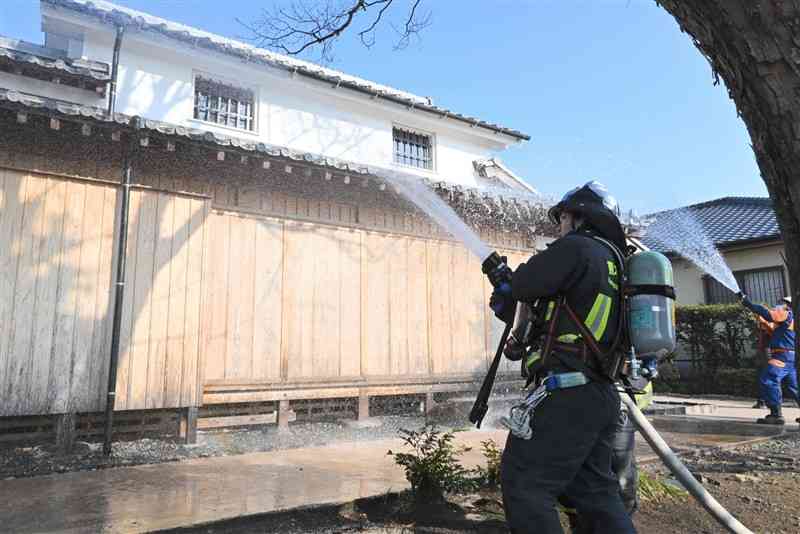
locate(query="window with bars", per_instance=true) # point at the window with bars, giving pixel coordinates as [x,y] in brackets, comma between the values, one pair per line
[412,149]
[761,285]
[223,104]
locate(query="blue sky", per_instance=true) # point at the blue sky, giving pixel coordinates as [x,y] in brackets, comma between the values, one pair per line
[607,89]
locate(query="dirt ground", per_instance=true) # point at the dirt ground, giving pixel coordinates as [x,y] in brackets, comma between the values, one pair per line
[757,483]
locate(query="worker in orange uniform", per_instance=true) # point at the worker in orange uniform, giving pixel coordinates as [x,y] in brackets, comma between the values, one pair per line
[781,363]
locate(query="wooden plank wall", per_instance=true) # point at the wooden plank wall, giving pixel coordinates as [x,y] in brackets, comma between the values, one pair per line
[303,302]
[56,267]
[56,244]
[161,340]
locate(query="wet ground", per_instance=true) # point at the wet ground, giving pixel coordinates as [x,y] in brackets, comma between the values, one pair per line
[247,472]
[19,462]
[757,483]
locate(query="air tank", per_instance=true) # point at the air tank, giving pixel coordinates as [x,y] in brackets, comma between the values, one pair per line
[651,304]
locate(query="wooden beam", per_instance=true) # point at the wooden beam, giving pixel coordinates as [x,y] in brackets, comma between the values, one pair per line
[284,411]
[363,406]
[188,428]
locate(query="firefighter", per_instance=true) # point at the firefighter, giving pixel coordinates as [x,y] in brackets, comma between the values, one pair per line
[781,363]
[566,449]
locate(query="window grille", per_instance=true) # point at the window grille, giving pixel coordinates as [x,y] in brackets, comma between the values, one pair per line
[412,149]
[223,104]
[761,285]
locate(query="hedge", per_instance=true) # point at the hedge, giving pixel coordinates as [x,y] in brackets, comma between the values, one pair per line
[720,342]
[716,336]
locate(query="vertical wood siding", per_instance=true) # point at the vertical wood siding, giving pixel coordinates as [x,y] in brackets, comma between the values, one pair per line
[295,301]
[56,269]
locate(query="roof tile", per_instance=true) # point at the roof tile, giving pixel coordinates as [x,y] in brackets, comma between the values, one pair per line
[726,221]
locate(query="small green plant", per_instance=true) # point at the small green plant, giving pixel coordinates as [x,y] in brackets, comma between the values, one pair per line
[432,467]
[652,489]
[490,475]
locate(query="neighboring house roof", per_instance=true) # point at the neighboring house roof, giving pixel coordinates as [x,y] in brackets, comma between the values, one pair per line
[110,13]
[727,221]
[19,52]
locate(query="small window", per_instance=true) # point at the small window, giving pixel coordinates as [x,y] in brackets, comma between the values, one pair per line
[412,149]
[223,104]
[761,285]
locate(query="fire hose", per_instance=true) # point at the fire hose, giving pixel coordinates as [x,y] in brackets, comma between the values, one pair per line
[684,476]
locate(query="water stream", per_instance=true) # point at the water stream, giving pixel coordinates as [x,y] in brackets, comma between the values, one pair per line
[418,193]
[682,233]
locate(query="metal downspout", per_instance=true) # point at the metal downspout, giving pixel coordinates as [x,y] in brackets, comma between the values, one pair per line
[122,247]
[112,93]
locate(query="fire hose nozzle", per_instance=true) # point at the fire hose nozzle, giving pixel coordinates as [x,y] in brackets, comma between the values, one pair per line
[496,268]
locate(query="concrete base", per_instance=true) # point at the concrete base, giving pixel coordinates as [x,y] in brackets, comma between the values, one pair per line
[716,426]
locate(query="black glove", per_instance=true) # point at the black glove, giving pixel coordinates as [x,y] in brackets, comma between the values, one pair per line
[502,303]
[742,297]
[500,274]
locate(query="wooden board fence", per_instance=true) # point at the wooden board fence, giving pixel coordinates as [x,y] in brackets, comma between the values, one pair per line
[302,303]
[56,263]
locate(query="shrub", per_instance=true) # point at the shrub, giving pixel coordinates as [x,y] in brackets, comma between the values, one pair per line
[432,468]
[717,336]
[722,381]
[490,475]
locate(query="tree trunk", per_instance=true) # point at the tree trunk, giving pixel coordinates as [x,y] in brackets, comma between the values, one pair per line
[754,46]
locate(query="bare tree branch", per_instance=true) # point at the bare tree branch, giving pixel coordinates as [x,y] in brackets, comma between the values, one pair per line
[309,24]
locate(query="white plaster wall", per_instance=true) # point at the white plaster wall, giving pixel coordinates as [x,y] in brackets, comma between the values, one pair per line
[156,81]
[689,279]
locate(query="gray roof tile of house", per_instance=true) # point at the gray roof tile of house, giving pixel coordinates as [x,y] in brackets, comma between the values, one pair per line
[112,13]
[727,221]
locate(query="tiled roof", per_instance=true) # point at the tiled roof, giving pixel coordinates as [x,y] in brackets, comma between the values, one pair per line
[727,221]
[14,99]
[512,211]
[112,13]
[76,67]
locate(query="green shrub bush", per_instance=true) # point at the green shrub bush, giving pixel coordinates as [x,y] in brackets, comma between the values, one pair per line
[432,467]
[722,381]
[490,475]
[717,336]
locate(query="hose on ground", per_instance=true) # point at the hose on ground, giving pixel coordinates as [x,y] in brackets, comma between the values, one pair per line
[684,476]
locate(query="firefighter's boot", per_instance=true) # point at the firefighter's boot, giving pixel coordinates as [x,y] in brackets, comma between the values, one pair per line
[775,417]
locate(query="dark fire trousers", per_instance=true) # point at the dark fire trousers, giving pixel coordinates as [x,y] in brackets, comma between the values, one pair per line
[570,455]
[623,465]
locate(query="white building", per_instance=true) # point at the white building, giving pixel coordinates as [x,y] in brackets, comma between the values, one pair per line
[187,77]
[267,260]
